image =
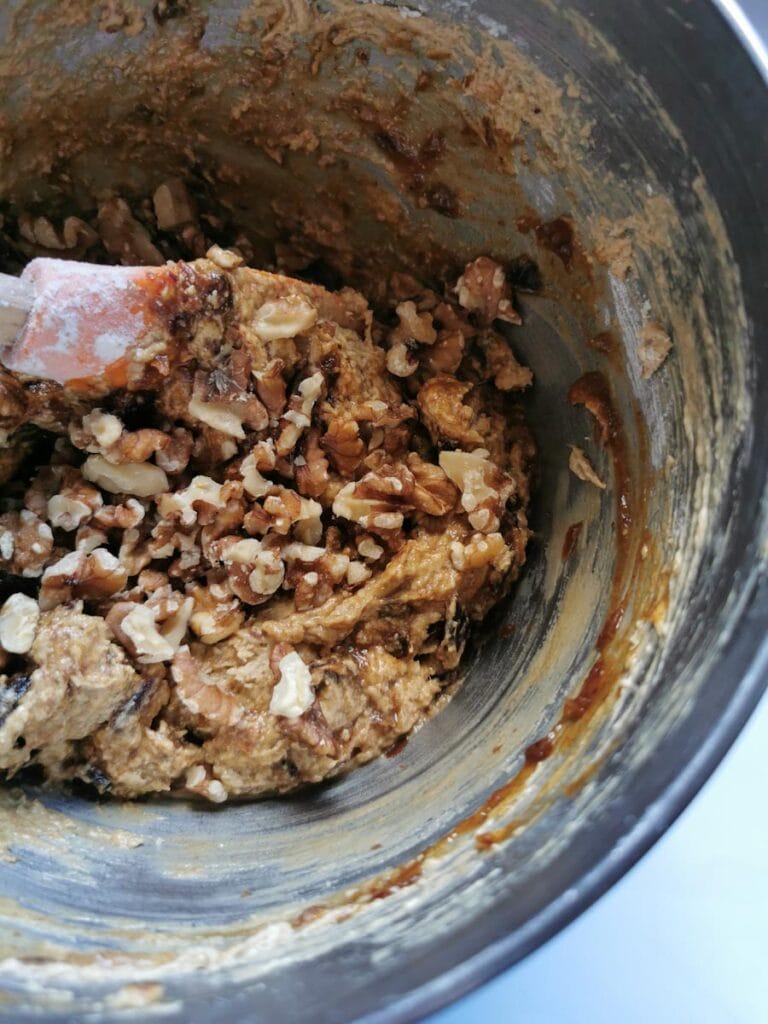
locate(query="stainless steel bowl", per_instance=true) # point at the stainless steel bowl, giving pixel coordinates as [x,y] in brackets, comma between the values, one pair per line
[372,897]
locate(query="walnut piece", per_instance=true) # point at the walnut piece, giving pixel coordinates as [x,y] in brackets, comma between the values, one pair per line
[174,457]
[270,387]
[400,362]
[446,417]
[299,413]
[136,629]
[284,318]
[200,695]
[173,206]
[89,576]
[19,617]
[580,466]
[105,428]
[216,614]
[483,289]
[344,446]
[475,476]
[142,479]
[200,501]
[311,468]
[226,259]
[124,237]
[653,349]
[26,543]
[293,693]
[413,326]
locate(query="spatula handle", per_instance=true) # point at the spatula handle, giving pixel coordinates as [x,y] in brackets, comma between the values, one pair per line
[16,299]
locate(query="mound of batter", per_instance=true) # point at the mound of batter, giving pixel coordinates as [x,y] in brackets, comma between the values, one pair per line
[251,561]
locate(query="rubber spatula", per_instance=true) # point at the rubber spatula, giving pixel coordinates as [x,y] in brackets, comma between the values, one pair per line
[73,322]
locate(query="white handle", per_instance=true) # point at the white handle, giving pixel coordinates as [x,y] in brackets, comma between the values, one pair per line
[16,300]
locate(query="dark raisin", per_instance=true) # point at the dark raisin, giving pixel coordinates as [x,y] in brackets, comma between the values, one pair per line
[524,275]
[321,272]
[132,705]
[443,200]
[164,10]
[12,692]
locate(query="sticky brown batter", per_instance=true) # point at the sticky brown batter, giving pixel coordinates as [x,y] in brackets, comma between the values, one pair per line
[250,556]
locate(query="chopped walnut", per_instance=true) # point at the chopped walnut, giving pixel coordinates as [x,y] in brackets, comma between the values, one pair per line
[103,575]
[137,446]
[200,695]
[222,416]
[223,404]
[433,492]
[500,364]
[270,387]
[199,502]
[284,507]
[580,466]
[441,401]
[216,614]
[174,457]
[311,468]
[212,449]
[120,517]
[40,231]
[75,503]
[378,500]
[446,354]
[284,318]
[173,206]
[44,485]
[483,488]
[653,349]
[75,236]
[344,445]
[293,693]
[199,781]
[299,413]
[67,513]
[226,259]
[268,572]
[400,362]
[166,538]
[368,548]
[124,237]
[88,576]
[254,572]
[26,543]
[61,579]
[482,549]
[357,573]
[142,479]
[19,617]
[483,289]
[103,428]
[135,627]
[413,326]
[88,538]
[134,553]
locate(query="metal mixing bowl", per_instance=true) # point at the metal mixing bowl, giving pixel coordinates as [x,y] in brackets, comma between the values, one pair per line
[272,910]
